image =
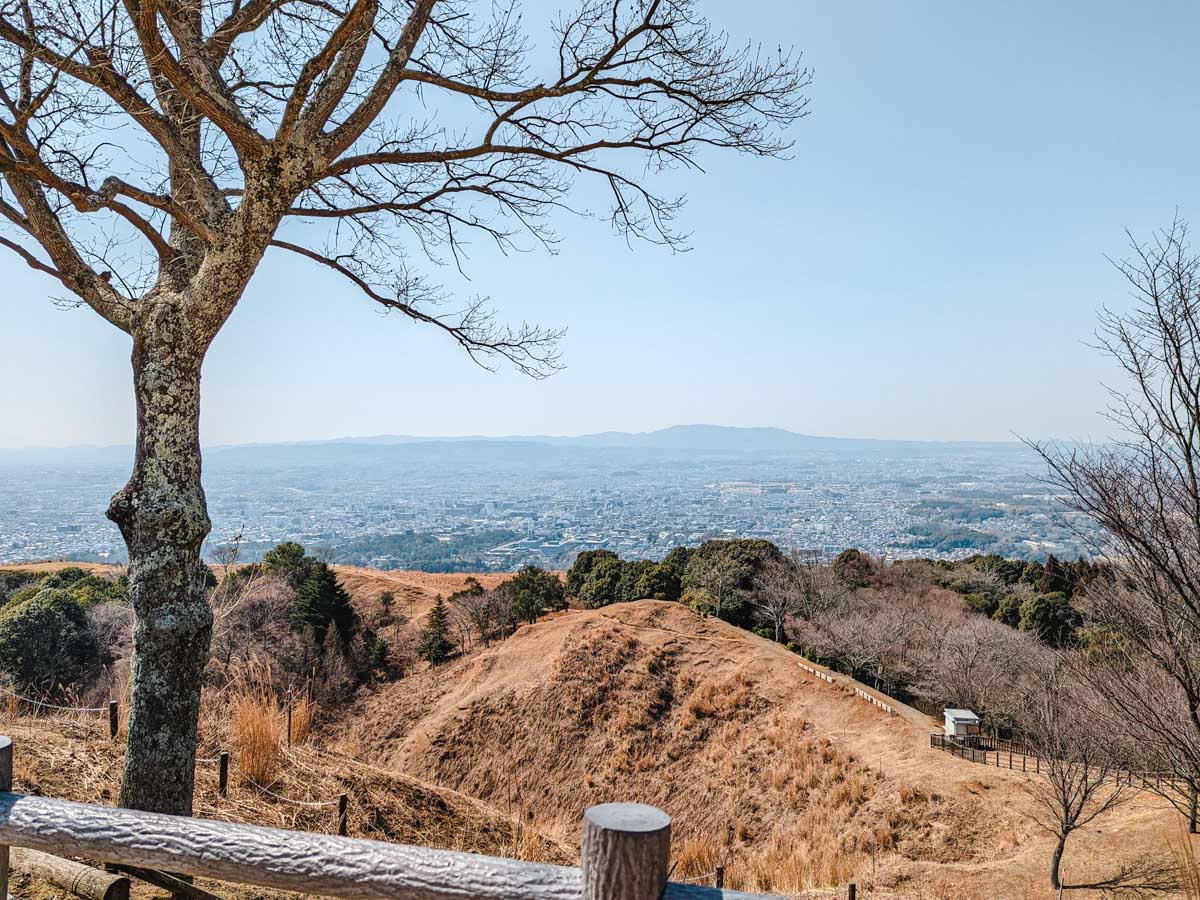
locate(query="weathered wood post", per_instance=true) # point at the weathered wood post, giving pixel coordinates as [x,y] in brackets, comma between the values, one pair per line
[626,847]
[223,774]
[720,882]
[852,892]
[6,784]
[114,720]
[76,878]
[289,739]
[342,802]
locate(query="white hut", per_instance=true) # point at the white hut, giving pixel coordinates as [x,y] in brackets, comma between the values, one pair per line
[960,723]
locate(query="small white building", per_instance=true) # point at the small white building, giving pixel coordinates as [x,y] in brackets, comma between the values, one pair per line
[961,722]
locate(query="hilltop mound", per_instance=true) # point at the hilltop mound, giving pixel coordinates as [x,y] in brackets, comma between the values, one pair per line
[793,783]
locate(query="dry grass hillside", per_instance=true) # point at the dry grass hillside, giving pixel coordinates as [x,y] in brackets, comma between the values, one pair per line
[792,783]
[71,757]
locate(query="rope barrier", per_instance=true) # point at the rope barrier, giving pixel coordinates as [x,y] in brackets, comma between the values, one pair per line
[306,803]
[45,705]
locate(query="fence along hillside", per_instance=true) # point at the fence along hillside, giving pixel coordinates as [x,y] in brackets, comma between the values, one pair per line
[624,854]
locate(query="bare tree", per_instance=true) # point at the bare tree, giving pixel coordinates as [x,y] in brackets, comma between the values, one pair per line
[778,594]
[483,613]
[1144,491]
[977,664]
[1079,779]
[153,151]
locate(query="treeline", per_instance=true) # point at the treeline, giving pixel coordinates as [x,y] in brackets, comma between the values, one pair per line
[1039,598]
[477,616]
[720,577]
[423,551]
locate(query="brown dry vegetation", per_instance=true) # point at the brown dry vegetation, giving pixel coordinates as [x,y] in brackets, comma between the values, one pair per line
[791,783]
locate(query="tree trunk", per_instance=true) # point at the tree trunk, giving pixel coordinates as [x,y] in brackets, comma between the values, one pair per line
[1056,862]
[163,517]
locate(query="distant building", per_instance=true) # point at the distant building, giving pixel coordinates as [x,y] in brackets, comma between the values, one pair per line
[961,723]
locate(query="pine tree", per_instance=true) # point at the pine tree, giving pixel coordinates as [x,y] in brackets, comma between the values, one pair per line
[322,600]
[435,647]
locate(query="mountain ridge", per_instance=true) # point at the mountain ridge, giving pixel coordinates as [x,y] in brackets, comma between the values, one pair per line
[674,437]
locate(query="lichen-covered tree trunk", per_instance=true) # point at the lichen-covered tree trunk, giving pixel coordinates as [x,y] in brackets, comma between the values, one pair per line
[163,517]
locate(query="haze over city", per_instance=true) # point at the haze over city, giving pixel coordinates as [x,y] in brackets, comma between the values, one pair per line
[926,264]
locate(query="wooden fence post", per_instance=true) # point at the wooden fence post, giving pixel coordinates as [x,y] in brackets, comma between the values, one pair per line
[223,774]
[6,784]
[114,721]
[289,721]
[720,879]
[852,893]
[625,852]
[342,802]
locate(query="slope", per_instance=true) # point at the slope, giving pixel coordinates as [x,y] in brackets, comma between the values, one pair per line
[791,782]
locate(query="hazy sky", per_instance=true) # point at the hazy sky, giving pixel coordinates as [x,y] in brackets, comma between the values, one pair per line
[927,265]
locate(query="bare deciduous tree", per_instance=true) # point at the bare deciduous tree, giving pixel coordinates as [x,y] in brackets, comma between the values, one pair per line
[1144,491]
[153,151]
[484,614]
[1079,779]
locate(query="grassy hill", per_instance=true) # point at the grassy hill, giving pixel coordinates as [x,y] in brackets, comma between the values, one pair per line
[793,784]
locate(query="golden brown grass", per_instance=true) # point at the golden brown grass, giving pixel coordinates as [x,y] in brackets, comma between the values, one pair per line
[1186,865]
[619,717]
[254,737]
[302,720]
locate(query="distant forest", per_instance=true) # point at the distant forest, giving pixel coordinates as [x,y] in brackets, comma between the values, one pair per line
[424,551]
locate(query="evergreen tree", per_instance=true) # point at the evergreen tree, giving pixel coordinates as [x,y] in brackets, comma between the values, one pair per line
[1056,578]
[321,600]
[535,592]
[289,561]
[435,646]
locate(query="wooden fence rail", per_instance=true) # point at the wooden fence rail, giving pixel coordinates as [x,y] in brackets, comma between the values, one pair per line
[870,698]
[824,676]
[623,858]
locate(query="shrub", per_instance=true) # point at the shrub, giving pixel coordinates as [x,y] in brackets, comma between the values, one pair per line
[47,641]
[853,568]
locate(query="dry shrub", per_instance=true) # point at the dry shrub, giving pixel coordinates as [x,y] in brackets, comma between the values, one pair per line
[254,737]
[697,857]
[302,720]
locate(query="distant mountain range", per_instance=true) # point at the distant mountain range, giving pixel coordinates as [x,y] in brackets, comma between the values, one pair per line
[675,437]
[720,438]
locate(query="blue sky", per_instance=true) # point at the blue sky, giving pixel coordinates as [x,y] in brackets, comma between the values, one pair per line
[927,265]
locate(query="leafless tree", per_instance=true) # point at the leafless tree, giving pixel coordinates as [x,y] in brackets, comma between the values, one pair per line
[484,613]
[153,151]
[977,664]
[1079,779]
[778,594]
[1144,491]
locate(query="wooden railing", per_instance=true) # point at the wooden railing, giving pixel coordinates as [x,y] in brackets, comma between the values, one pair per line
[871,698]
[624,854]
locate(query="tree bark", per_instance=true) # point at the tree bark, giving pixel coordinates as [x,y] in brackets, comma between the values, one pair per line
[1056,862]
[164,519]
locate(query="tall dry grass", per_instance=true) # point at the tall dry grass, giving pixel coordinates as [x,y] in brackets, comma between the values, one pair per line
[1186,866]
[255,738]
[302,720]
